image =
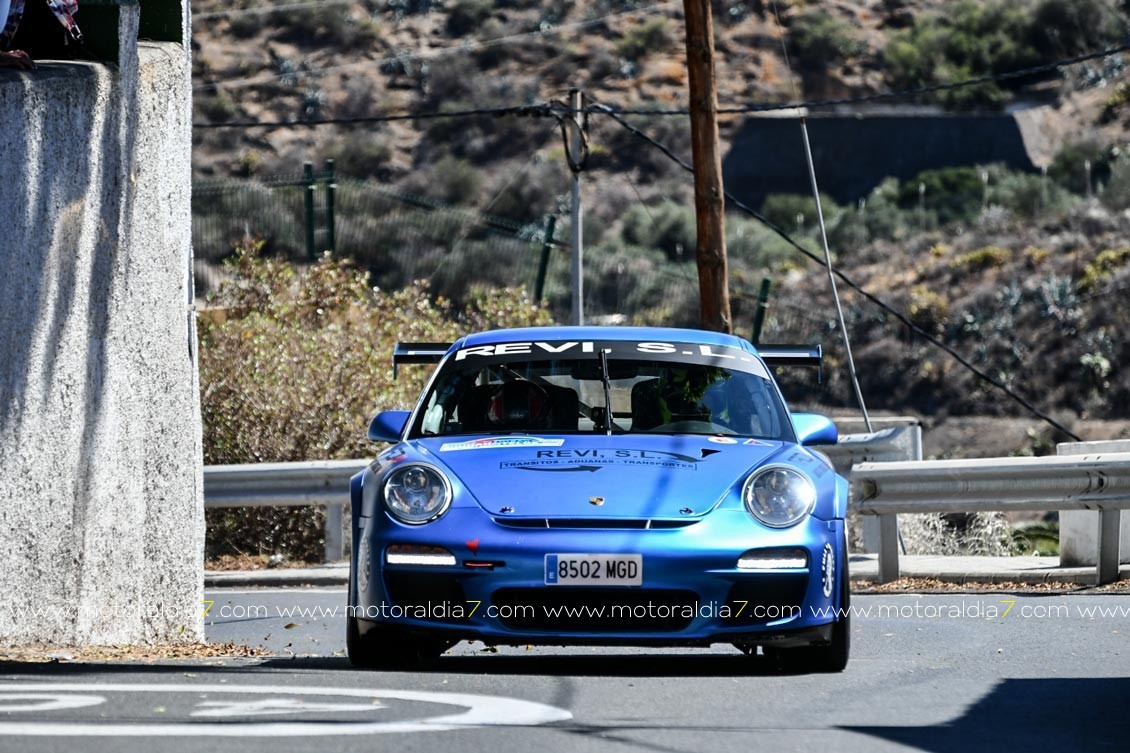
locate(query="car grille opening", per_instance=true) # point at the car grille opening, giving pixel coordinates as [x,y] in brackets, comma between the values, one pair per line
[569,609]
[410,590]
[641,524]
[767,598]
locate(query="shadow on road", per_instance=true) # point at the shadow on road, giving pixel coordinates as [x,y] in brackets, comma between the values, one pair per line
[1060,714]
[563,665]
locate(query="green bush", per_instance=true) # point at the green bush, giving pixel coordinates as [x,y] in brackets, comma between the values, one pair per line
[819,39]
[466,16]
[669,227]
[982,259]
[952,193]
[1025,194]
[1068,167]
[1117,193]
[783,209]
[1103,267]
[318,27]
[455,181]
[363,154]
[969,39]
[218,108]
[299,367]
[1061,28]
[754,249]
[652,35]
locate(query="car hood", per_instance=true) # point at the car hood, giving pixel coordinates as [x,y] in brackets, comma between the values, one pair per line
[633,476]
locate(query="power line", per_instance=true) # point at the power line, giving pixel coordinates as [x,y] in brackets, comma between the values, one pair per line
[552,108]
[854,285]
[896,94]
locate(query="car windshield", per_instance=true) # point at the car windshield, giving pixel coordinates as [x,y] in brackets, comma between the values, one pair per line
[559,387]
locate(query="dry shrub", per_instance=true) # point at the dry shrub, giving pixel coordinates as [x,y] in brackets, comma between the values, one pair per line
[301,365]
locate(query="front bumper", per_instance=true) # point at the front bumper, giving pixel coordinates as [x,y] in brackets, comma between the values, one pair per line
[693,591]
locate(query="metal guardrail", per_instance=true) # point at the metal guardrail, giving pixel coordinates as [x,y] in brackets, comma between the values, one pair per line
[326,482]
[885,445]
[1082,482]
[900,442]
[316,482]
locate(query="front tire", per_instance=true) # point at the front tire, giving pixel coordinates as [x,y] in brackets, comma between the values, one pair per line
[382,646]
[832,657]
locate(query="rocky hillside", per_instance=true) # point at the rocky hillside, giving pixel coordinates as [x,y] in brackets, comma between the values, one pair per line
[1026,276]
[336,58]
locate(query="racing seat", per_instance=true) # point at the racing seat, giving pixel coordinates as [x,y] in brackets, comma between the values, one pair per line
[564,408]
[647,413]
[517,404]
[473,407]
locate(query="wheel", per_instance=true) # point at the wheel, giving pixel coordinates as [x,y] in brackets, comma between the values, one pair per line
[389,647]
[832,657]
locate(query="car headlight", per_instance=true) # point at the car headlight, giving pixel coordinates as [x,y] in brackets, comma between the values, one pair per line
[779,497]
[417,494]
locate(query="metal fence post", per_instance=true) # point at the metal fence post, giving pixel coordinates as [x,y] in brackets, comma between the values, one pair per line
[762,308]
[543,265]
[888,548]
[331,187]
[308,174]
[1108,554]
[334,549]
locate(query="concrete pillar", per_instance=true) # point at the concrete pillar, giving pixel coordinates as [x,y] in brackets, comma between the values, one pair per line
[1079,530]
[101,506]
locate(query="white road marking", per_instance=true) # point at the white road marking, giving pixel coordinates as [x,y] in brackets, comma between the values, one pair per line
[47,702]
[276,706]
[482,711]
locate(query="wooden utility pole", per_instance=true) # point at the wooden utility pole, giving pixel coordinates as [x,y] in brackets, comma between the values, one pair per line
[709,199]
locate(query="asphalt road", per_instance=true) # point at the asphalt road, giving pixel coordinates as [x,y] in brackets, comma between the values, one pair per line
[933,673]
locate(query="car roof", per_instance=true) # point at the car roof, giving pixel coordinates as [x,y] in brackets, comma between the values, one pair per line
[629,334]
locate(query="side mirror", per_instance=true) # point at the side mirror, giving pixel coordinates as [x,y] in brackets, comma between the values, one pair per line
[388,426]
[812,429]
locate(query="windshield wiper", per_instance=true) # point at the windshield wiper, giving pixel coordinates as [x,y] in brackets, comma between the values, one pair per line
[607,391]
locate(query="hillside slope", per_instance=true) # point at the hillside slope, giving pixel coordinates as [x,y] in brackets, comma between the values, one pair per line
[1026,276]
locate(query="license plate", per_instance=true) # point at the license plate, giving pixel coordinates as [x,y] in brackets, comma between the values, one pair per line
[594,569]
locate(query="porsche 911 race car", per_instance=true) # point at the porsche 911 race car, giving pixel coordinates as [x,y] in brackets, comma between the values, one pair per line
[600,485]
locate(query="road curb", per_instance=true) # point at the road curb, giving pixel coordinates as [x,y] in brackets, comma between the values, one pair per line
[287,577]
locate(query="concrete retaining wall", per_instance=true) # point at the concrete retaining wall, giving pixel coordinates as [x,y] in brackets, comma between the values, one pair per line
[853,153]
[101,506]
[1079,529]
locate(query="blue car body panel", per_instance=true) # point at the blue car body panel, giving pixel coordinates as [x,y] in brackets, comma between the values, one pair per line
[674,500]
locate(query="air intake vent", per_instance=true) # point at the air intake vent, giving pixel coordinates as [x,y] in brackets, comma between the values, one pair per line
[639,524]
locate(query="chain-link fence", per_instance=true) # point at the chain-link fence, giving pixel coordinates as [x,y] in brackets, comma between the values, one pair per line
[400,238]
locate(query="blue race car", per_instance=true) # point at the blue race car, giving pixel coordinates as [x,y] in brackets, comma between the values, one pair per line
[600,485]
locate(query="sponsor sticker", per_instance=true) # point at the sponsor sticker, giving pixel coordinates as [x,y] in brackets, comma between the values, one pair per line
[493,443]
[723,440]
[591,460]
[828,570]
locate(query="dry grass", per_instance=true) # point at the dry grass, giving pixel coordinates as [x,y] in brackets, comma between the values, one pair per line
[42,653]
[227,562]
[932,585]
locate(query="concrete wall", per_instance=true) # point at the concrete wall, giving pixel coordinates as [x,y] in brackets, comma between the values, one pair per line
[101,508]
[853,153]
[1079,529]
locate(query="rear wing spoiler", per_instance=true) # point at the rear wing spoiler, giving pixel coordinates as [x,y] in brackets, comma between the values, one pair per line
[417,353]
[811,356]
